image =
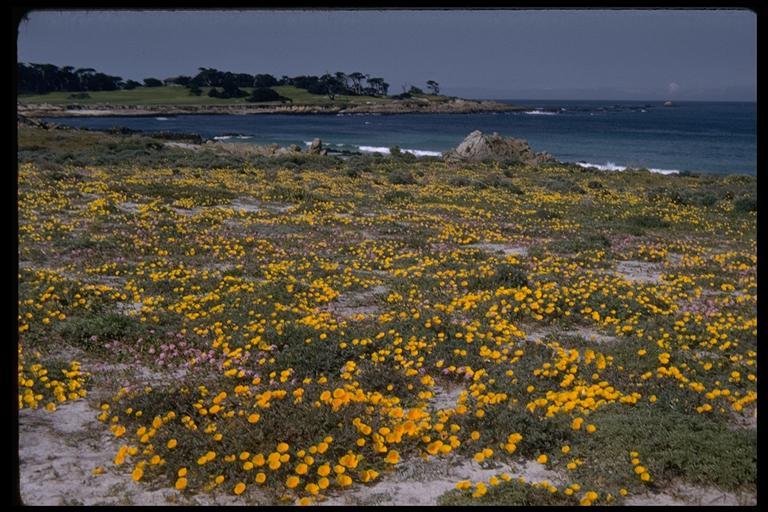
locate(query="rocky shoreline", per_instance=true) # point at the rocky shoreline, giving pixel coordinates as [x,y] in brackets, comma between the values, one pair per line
[451,106]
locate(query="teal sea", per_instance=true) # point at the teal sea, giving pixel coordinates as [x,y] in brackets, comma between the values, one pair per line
[712,137]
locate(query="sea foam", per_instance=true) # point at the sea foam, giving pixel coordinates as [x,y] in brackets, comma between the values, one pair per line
[539,113]
[385,151]
[610,166]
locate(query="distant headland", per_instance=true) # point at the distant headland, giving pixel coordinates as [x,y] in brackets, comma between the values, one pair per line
[46,90]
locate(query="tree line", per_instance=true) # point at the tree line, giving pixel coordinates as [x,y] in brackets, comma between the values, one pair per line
[45,78]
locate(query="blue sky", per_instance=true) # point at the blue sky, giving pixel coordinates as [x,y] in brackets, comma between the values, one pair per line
[544,54]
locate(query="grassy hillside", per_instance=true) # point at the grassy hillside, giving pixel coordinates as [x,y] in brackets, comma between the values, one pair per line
[175,95]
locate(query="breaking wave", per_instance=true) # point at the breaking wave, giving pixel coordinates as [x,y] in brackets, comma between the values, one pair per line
[610,166]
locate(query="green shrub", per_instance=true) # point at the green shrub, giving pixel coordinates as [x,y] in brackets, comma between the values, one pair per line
[745,204]
[401,177]
[647,221]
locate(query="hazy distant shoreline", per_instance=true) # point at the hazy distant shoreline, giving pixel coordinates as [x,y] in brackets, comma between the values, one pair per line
[454,106]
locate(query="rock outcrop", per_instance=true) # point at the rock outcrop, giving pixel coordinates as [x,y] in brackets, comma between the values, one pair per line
[478,146]
[316,147]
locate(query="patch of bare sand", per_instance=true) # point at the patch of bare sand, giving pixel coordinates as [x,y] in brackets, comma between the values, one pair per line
[683,494]
[58,452]
[251,205]
[744,419]
[535,333]
[446,396]
[639,271]
[129,207]
[351,305]
[189,212]
[590,334]
[421,483]
[506,249]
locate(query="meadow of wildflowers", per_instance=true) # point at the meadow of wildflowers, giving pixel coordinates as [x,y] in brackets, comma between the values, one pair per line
[288,330]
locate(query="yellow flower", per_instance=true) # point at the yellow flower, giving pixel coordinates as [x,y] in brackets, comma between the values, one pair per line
[171,444]
[239,488]
[542,459]
[324,470]
[260,478]
[181,484]
[393,457]
[480,490]
[137,474]
[292,482]
[254,418]
[464,484]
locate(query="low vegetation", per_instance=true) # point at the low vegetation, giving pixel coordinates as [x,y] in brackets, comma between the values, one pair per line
[302,315]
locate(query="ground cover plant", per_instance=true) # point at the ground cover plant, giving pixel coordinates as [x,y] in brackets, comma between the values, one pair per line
[294,331]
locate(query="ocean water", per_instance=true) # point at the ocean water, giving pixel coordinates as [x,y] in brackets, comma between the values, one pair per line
[716,137]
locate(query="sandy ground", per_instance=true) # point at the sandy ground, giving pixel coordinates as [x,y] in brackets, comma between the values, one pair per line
[422,482]
[639,271]
[57,455]
[59,451]
[350,305]
[682,494]
[505,249]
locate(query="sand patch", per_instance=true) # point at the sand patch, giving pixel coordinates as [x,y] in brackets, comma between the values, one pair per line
[247,205]
[58,452]
[674,258]
[681,494]
[350,305]
[744,419]
[251,205]
[536,333]
[189,212]
[129,308]
[638,271]
[129,207]
[505,249]
[445,396]
[420,482]
[590,334]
